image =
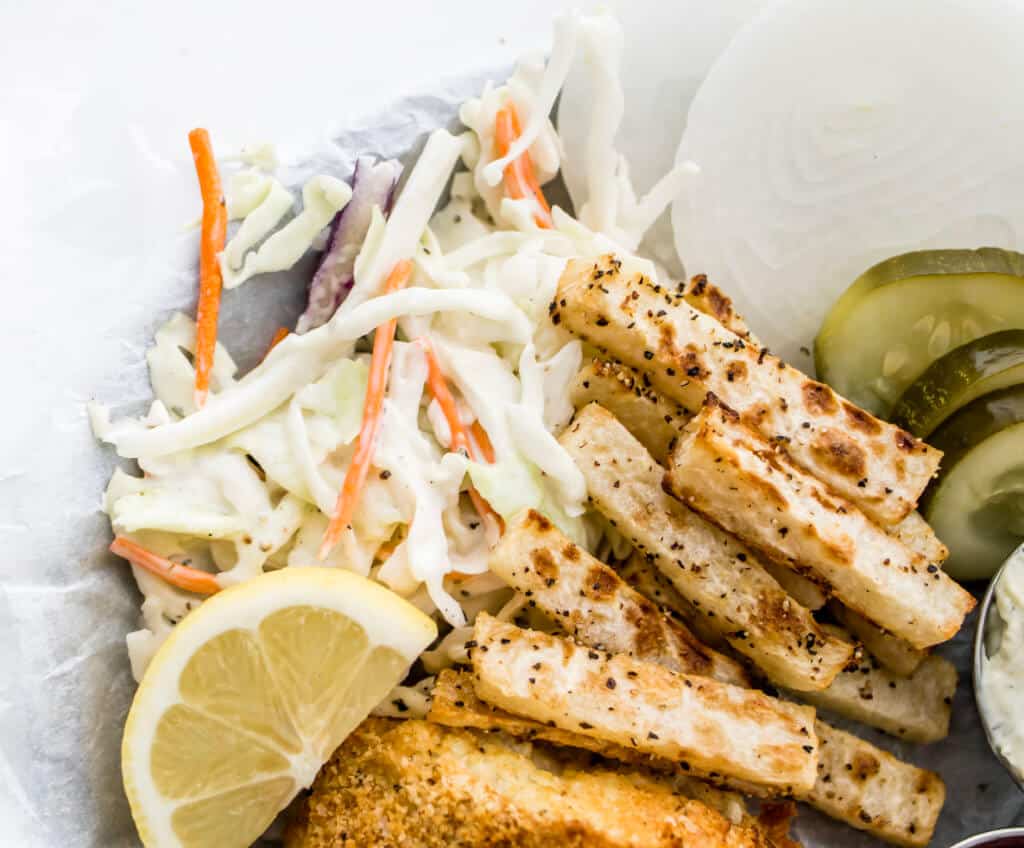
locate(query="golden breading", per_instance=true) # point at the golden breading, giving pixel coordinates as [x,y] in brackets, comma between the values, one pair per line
[715,728]
[871,790]
[750,487]
[687,354]
[454,703]
[591,602]
[915,708]
[895,654]
[721,577]
[655,420]
[414,784]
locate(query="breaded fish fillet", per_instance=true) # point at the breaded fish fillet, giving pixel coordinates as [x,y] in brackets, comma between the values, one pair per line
[415,784]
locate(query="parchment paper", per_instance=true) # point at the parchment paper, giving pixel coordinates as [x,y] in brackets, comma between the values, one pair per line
[66,605]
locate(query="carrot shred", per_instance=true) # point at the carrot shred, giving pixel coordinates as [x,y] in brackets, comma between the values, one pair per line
[460,440]
[279,336]
[483,441]
[214,234]
[182,576]
[520,176]
[380,360]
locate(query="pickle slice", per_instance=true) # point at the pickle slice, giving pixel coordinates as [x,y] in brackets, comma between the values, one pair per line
[993,362]
[903,314]
[976,506]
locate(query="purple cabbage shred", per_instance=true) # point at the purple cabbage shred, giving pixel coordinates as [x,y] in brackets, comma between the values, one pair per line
[373,184]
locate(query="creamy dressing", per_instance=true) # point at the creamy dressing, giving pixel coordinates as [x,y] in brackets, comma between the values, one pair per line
[1001,692]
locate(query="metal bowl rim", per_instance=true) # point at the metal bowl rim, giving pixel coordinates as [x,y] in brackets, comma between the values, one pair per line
[980,839]
[978,658]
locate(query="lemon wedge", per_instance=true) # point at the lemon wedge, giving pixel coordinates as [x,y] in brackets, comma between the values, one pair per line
[251,694]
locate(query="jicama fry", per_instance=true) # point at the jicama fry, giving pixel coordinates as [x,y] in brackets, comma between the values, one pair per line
[751,488]
[687,354]
[722,578]
[801,588]
[913,531]
[454,703]
[918,535]
[897,655]
[590,601]
[645,577]
[657,423]
[703,295]
[712,727]
[915,708]
[653,419]
[871,790]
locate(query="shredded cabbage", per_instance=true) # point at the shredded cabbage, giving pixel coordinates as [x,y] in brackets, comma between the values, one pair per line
[555,72]
[248,482]
[322,198]
[261,215]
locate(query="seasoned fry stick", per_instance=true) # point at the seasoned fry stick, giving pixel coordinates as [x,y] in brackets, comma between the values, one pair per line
[871,790]
[655,586]
[897,655]
[593,604]
[717,574]
[454,703]
[913,531]
[687,354]
[713,727]
[918,535]
[750,487]
[915,708]
[802,589]
[657,422]
[920,703]
[711,300]
[652,418]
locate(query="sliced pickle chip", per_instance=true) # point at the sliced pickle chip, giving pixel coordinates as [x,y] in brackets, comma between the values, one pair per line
[905,313]
[993,362]
[976,505]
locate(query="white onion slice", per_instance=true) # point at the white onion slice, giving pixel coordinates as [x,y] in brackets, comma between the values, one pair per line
[832,135]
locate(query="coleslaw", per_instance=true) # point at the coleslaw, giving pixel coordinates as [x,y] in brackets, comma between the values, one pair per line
[249,481]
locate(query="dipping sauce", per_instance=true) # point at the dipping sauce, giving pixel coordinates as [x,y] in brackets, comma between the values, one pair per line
[1001,689]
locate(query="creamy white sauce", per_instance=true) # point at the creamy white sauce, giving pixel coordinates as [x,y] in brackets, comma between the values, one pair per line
[1001,692]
